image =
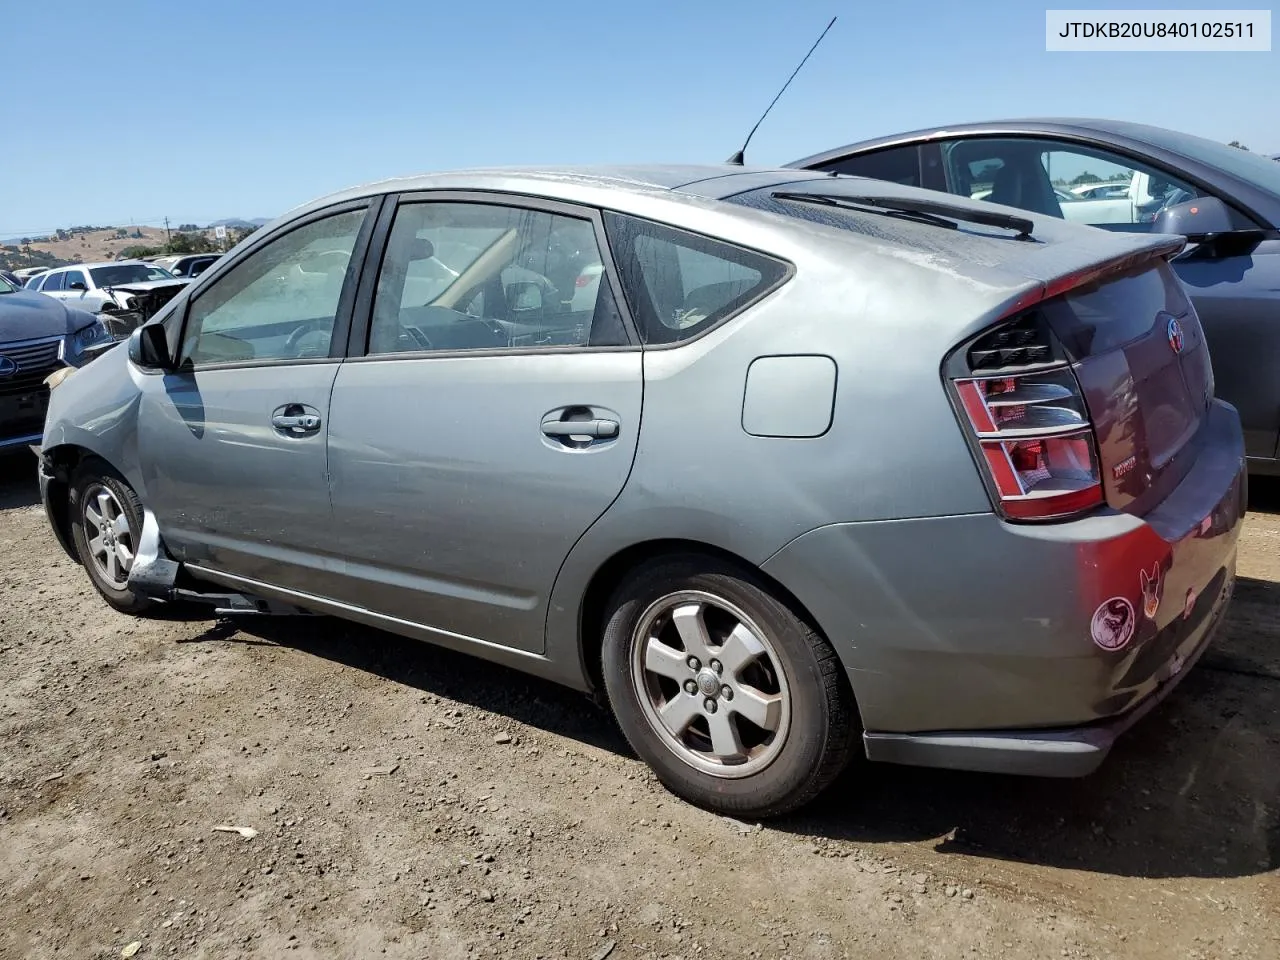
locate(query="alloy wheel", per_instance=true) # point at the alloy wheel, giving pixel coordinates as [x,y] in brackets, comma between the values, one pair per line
[109,535]
[710,683]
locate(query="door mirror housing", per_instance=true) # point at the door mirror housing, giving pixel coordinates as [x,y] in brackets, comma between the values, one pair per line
[149,348]
[1196,219]
[77,285]
[524,296]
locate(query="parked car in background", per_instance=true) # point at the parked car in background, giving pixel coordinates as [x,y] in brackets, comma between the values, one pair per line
[126,293]
[26,274]
[37,336]
[1226,201]
[187,265]
[738,492]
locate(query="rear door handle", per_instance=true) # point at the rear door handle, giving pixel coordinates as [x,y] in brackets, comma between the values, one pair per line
[580,428]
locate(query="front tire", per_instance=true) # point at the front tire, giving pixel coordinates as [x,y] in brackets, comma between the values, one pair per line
[106,525]
[736,703]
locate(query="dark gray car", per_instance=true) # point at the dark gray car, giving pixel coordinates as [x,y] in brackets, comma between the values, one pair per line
[1225,198]
[38,335]
[781,470]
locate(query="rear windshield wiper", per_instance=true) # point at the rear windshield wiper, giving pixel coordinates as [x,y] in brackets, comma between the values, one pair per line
[935,212]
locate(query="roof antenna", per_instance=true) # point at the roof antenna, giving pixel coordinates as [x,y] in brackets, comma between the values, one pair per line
[739,157]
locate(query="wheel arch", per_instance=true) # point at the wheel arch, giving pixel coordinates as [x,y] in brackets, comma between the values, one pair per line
[57,466]
[595,598]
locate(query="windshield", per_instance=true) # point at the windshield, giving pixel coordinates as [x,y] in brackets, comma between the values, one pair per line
[129,273]
[6,286]
[1254,167]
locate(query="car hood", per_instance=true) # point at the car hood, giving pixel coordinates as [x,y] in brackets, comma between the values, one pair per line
[27,315]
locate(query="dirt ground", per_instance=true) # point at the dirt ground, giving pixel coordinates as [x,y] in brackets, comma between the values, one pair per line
[415,803]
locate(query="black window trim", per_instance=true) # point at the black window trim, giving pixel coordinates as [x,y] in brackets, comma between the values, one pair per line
[765,289]
[362,319]
[346,299]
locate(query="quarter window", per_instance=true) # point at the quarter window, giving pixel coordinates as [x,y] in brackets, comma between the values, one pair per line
[281,302]
[680,284]
[896,164]
[477,276]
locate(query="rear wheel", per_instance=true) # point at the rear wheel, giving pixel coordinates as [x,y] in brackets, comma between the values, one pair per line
[734,701]
[106,524]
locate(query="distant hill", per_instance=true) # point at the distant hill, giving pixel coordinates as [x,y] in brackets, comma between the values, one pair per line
[85,246]
[240,224]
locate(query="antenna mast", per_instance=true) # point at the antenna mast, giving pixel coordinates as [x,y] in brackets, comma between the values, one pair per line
[739,157]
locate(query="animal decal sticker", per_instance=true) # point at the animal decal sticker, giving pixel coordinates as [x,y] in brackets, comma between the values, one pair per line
[1113,623]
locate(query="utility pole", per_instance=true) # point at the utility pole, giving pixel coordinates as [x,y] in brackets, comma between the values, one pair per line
[168,237]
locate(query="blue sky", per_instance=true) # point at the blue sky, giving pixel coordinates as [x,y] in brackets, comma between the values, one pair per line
[232,108]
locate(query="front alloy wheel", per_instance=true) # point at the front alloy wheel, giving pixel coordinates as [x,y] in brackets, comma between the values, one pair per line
[110,536]
[106,525]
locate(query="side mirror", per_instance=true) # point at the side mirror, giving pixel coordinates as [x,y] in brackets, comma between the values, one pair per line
[149,349]
[524,295]
[77,285]
[1195,219]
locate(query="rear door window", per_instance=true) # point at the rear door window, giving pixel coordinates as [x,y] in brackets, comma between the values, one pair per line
[52,283]
[680,284]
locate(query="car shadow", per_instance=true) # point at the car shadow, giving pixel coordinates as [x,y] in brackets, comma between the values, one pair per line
[1264,494]
[435,670]
[1188,792]
[18,484]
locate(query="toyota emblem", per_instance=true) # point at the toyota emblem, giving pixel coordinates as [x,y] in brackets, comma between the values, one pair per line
[8,366]
[1175,335]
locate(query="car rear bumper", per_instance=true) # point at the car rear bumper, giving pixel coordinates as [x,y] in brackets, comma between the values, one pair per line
[1060,752]
[978,644]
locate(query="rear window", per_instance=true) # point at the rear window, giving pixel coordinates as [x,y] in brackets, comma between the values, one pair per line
[680,284]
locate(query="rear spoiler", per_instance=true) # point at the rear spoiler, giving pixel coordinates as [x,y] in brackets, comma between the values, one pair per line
[1165,249]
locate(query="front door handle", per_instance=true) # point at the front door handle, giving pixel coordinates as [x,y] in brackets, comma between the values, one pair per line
[296,424]
[580,428]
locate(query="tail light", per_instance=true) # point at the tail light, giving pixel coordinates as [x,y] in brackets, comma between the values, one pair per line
[1028,418]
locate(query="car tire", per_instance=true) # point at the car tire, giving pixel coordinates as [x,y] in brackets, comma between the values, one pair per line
[106,522]
[781,726]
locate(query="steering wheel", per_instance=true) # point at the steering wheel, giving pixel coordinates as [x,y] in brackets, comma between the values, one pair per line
[320,328]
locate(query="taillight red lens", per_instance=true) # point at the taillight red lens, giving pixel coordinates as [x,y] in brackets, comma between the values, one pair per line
[1037,442]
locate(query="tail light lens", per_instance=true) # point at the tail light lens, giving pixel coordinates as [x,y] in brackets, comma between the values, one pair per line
[1028,417]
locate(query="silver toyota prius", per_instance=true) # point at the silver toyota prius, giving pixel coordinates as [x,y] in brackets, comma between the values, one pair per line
[784,466]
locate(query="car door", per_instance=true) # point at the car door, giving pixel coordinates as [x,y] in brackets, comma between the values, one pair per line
[76,291]
[52,285]
[491,420]
[232,441]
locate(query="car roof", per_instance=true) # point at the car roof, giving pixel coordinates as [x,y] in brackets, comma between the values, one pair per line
[1078,126]
[1139,139]
[712,181]
[101,263]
